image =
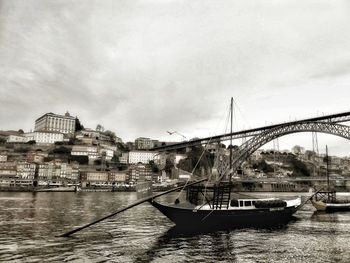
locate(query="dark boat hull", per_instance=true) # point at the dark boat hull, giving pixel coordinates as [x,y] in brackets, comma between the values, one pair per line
[213,219]
[330,208]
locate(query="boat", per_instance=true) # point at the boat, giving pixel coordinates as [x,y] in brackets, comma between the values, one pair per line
[215,205]
[71,188]
[327,200]
[221,209]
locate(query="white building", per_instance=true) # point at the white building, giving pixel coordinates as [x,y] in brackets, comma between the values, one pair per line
[17,138]
[82,150]
[56,123]
[26,170]
[44,137]
[142,156]
[56,171]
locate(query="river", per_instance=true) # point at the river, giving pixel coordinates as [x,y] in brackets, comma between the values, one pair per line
[30,222]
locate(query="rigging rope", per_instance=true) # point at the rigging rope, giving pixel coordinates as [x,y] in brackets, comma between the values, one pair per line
[194,168]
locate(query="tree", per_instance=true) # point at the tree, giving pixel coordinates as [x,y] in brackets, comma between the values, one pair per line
[78,125]
[194,157]
[262,165]
[2,140]
[20,131]
[299,168]
[79,159]
[61,150]
[31,142]
[168,165]
[111,135]
[154,167]
[115,159]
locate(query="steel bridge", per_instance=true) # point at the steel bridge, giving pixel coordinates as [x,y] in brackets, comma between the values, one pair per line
[334,118]
[260,136]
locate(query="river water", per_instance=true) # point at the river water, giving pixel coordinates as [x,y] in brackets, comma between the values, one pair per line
[30,222]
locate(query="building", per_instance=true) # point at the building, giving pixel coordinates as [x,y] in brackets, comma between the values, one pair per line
[91,152]
[141,156]
[36,156]
[44,137]
[124,158]
[47,171]
[26,170]
[117,177]
[56,123]
[94,176]
[8,170]
[89,136]
[143,143]
[3,157]
[57,171]
[140,172]
[16,139]
[107,154]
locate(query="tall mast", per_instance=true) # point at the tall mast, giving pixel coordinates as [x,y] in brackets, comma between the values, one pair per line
[231,135]
[327,174]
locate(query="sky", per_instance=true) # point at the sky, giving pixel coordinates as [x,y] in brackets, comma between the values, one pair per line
[141,68]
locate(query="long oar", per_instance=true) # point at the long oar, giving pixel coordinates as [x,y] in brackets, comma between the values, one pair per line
[140,201]
[300,206]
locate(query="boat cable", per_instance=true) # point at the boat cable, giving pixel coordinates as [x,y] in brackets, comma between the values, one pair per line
[177,201]
[217,158]
[194,168]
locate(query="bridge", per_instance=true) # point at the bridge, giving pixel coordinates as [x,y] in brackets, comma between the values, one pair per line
[334,118]
[258,137]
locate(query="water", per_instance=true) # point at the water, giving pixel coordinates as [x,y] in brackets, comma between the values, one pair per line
[29,223]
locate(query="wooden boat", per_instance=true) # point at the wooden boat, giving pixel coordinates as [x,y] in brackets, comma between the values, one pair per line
[214,206]
[327,200]
[219,209]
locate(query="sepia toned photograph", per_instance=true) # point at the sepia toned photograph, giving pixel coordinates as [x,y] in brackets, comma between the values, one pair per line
[175,131]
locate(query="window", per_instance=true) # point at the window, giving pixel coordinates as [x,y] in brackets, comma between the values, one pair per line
[247,203]
[240,203]
[234,203]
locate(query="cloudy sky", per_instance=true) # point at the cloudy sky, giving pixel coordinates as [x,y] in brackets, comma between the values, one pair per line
[141,68]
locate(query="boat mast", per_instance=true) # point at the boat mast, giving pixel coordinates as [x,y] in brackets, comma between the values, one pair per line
[327,174]
[231,138]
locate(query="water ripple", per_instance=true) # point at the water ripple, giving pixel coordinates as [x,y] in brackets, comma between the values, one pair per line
[29,223]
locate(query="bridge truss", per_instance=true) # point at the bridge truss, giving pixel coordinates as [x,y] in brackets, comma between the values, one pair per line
[333,118]
[250,146]
[260,136]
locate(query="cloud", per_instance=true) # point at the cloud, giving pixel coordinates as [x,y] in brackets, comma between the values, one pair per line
[143,67]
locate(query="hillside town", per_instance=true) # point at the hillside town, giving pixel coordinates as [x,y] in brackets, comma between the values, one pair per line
[61,152]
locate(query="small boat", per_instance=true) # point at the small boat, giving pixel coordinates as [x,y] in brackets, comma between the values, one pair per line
[327,200]
[220,210]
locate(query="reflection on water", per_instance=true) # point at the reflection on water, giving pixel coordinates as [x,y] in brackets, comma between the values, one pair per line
[30,222]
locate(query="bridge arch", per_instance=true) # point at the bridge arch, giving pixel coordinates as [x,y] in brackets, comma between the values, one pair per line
[250,146]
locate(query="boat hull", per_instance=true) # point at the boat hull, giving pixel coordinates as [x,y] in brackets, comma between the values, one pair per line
[225,218]
[331,207]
